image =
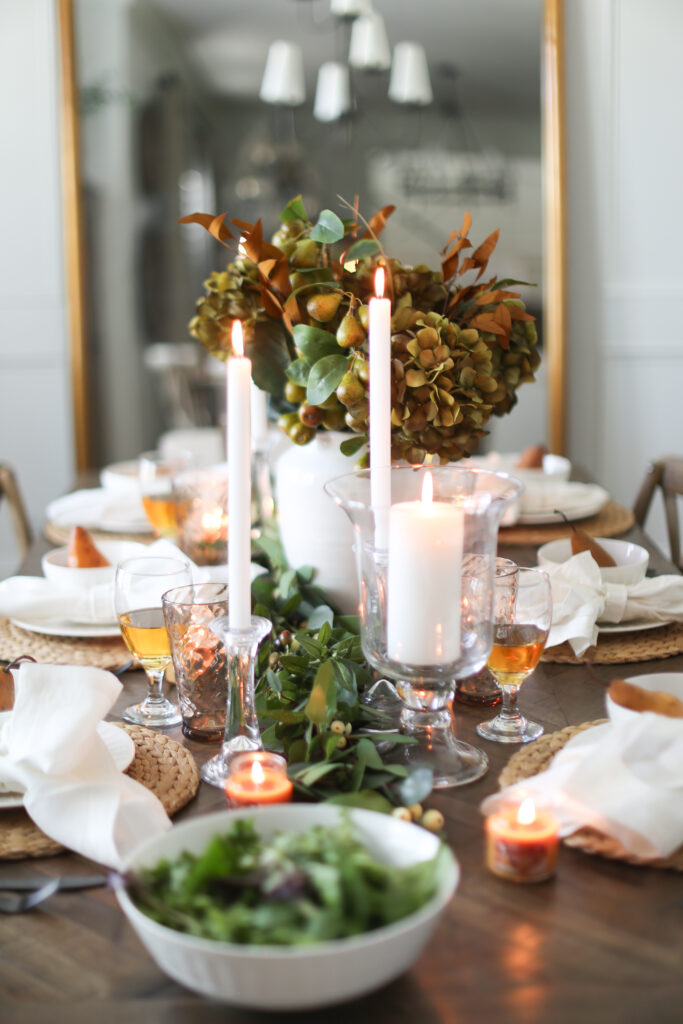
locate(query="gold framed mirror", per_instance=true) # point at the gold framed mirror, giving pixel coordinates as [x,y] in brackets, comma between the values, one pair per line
[553,218]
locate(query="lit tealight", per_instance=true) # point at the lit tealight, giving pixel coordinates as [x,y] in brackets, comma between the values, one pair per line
[258,777]
[522,842]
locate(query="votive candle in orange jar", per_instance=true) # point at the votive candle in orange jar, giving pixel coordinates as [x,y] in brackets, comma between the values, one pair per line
[522,842]
[258,777]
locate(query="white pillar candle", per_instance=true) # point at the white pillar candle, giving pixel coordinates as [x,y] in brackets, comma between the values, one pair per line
[424,580]
[239,483]
[379,344]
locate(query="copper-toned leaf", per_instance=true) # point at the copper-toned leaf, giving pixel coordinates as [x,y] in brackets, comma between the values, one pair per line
[482,255]
[211,223]
[486,322]
[377,222]
[291,314]
[270,301]
[449,266]
[517,313]
[243,225]
[502,316]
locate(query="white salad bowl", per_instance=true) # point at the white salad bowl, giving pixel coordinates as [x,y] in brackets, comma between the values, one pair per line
[631,559]
[283,978]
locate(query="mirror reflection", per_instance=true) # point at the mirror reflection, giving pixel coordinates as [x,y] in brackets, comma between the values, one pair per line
[173,120]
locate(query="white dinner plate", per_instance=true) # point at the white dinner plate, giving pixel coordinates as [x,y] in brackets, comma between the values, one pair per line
[631,627]
[65,627]
[592,499]
[118,743]
[98,508]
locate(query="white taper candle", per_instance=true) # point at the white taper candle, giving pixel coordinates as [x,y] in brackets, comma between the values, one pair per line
[239,482]
[379,344]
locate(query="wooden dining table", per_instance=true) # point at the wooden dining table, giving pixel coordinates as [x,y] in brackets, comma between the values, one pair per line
[600,942]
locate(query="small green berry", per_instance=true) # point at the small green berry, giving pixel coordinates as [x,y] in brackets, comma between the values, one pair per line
[402,813]
[433,820]
[416,811]
[338,727]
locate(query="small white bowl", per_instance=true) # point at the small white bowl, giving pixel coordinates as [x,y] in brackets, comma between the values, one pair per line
[121,477]
[668,682]
[58,572]
[631,559]
[294,977]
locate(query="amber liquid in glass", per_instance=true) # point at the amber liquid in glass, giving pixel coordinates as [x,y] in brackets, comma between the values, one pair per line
[145,636]
[515,653]
[161,511]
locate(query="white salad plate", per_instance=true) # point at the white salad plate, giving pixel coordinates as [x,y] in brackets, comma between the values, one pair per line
[58,626]
[576,501]
[631,627]
[118,743]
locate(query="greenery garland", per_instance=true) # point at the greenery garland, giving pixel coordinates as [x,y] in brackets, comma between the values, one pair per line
[311,675]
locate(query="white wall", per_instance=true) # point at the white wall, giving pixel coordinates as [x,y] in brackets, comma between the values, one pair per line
[35,397]
[625,149]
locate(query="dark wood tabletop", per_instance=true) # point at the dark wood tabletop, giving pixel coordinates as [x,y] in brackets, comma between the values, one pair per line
[601,942]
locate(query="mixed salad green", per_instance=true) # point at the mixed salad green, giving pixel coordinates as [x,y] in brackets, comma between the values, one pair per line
[294,889]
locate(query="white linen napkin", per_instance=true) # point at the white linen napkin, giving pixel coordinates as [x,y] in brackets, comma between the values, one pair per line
[50,751]
[581,600]
[99,508]
[39,600]
[624,779]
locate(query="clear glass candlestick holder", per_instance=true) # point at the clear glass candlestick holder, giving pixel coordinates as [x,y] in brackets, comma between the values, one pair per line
[241,722]
[426,598]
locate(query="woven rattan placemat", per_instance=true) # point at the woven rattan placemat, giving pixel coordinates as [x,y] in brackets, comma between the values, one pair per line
[60,535]
[99,652]
[160,763]
[620,648]
[536,758]
[611,520]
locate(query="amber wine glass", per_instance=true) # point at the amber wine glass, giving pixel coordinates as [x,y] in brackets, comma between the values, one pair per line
[139,586]
[156,473]
[520,631]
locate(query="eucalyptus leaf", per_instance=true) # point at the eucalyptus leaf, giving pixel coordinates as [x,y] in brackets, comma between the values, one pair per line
[416,786]
[314,343]
[298,371]
[267,349]
[325,378]
[322,615]
[294,210]
[328,229]
[362,248]
[310,775]
[353,444]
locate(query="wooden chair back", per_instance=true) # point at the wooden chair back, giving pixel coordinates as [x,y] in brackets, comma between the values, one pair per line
[667,475]
[9,490]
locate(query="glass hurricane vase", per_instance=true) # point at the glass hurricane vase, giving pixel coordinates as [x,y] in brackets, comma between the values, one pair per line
[426,596]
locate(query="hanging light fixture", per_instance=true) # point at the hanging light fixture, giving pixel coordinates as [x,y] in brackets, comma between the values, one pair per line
[333,92]
[349,8]
[283,77]
[410,82]
[369,48]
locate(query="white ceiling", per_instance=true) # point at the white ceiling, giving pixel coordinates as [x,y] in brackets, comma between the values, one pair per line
[493,44]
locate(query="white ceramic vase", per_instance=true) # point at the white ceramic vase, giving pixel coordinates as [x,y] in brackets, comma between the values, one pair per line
[313,530]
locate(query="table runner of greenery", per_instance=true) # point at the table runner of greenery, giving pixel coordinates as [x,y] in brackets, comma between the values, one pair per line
[311,674]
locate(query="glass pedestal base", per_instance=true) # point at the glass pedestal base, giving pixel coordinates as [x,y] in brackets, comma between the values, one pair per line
[453,762]
[216,771]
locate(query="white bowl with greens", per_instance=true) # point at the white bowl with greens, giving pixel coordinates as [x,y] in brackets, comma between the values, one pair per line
[297,906]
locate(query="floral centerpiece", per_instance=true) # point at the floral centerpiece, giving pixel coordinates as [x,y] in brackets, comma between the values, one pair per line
[459,350]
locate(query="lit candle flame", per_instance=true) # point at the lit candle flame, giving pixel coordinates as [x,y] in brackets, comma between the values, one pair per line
[237,338]
[257,775]
[213,520]
[379,282]
[526,814]
[427,489]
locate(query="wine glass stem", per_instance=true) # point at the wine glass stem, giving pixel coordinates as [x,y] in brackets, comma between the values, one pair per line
[509,710]
[155,686]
